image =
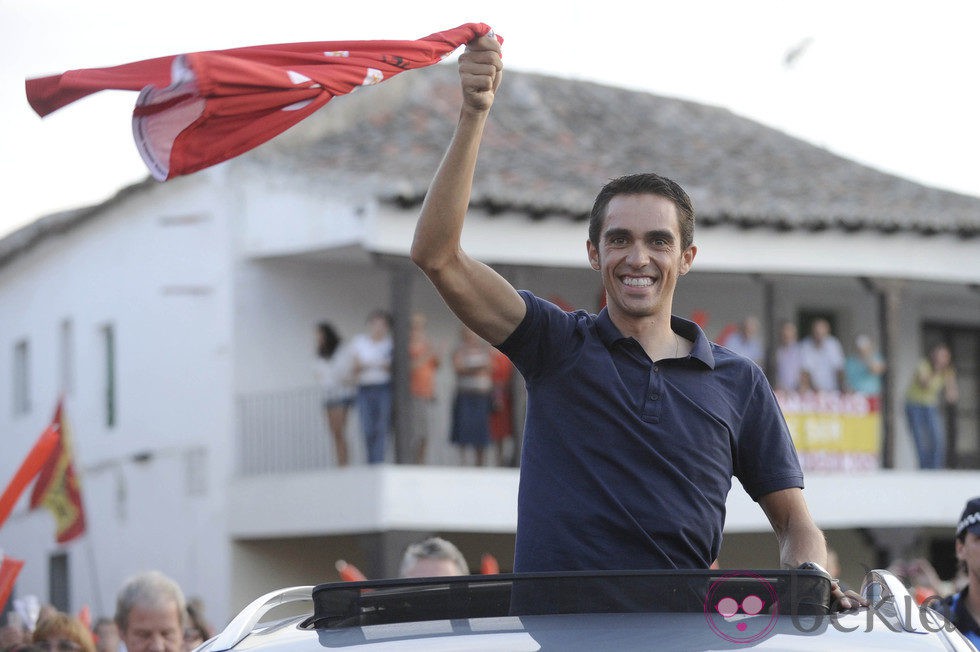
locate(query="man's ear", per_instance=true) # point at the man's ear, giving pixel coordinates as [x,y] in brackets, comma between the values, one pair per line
[593,255]
[687,259]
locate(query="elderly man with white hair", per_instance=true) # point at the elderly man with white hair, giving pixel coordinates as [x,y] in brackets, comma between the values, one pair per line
[150,613]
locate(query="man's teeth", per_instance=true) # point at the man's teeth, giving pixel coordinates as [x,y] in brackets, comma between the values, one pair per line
[638,282]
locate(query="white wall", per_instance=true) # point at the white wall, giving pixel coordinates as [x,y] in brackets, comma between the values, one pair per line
[154,266]
[285,213]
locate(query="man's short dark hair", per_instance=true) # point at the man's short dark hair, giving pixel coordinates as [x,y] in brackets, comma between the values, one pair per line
[646,183]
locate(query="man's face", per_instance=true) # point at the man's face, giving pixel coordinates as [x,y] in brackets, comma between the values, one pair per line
[820,330]
[969,552]
[639,255]
[154,629]
[378,328]
[107,637]
[789,333]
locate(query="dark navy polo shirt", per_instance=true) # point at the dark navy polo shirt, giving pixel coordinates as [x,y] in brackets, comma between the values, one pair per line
[627,463]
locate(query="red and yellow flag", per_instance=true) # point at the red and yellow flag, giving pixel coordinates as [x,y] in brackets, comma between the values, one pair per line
[9,569]
[57,486]
[29,469]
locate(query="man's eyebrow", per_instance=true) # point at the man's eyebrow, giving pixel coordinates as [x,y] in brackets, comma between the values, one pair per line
[616,233]
[659,234]
[656,234]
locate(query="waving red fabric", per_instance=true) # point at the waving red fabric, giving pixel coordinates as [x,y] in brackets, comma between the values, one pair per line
[195,110]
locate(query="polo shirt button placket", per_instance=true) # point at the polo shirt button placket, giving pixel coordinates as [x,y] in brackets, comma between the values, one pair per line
[652,404]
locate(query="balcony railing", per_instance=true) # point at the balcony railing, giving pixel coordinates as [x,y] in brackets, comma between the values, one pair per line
[282,432]
[285,432]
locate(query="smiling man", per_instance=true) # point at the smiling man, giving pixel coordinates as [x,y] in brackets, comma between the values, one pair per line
[636,424]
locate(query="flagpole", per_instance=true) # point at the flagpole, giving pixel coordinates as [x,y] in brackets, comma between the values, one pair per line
[94,578]
[92,564]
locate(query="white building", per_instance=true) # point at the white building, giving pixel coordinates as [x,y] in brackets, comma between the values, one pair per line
[177,320]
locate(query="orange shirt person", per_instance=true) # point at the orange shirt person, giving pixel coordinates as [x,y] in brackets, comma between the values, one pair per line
[425,362]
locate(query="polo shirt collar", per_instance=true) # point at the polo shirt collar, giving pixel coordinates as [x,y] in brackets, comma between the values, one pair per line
[701,351]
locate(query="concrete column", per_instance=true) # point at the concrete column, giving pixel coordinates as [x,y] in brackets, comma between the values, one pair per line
[770,323]
[889,293]
[401,274]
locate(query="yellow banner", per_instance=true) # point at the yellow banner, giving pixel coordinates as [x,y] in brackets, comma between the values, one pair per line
[834,431]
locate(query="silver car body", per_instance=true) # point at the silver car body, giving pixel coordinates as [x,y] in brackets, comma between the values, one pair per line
[891,622]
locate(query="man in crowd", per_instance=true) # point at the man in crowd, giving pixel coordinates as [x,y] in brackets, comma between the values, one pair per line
[433,557]
[636,423]
[747,341]
[150,614]
[963,608]
[789,363]
[822,360]
[106,635]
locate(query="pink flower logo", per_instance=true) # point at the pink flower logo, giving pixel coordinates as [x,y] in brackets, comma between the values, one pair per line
[741,607]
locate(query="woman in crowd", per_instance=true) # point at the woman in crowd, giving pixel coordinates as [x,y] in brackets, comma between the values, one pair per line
[933,383]
[372,355]
[61,632]
[332,369]
[474,395]
[196,628]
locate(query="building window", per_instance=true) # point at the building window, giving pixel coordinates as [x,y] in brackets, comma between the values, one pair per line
[22,378]
[109,380]
[58,587]
[66,359]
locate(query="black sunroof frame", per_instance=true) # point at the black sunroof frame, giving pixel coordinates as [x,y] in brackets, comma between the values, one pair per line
[374,602]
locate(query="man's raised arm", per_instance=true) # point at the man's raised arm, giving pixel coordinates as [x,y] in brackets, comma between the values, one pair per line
[481,298]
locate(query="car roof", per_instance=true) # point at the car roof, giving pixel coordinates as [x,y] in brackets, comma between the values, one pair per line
[590,632]
[704,610]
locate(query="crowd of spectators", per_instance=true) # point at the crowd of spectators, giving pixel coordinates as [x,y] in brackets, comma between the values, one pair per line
[357,374]
[820,363]
[151,615]
[816,363]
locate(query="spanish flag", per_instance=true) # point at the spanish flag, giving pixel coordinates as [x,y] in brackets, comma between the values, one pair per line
[57,488]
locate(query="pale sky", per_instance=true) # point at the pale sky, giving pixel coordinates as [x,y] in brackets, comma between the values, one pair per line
[892,84]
